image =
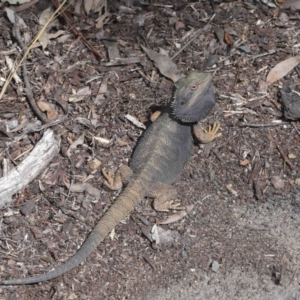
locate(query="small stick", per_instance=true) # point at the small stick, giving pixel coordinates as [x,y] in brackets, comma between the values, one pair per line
[28,91]
[262,125]
[263,54]
[294,125]
[194,37]
[285,158]
[72,25]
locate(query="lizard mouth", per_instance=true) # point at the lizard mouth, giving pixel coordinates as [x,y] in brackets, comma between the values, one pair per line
[190,118]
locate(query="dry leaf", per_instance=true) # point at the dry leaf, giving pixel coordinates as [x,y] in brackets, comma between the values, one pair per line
[283,68]
[292,156]
[44,39]
[245,162]
[135,121]
[164,64]
[159,235]
[88,4]
[228,38]
[295,4]
[80,95]
[277,182]
[45,16]
[74,145]
[10,64]
[176,217]
[179,25]
[48,108]
[11,15]
[231,190]
[15,1]
[83,187]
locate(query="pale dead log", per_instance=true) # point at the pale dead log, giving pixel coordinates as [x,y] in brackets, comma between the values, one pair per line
[18,178]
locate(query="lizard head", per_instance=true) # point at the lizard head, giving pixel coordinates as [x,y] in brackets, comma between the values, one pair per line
[193,97]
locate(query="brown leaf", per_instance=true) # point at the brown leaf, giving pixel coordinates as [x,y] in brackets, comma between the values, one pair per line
[48,108]
[228,39]
[179,25]
[294,4]
[277,182]
[176,217]
[283,68]
[74,144]
[164,64]
[37,232]
[244,162]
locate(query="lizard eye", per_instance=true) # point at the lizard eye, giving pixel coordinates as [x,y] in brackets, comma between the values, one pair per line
[194,87]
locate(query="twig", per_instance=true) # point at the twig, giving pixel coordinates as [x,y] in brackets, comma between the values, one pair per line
[71,24]
[262,125]
[294,125]
[28,91]
[264,54]
[285,158]
[52,123]
[293,276]
[194,37]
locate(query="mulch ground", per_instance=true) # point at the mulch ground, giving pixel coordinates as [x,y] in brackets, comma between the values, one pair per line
[244,186]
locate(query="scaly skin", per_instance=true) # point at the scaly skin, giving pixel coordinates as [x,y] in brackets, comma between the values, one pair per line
[159,157]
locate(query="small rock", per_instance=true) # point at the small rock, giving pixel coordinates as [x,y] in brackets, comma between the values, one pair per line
[245,48]
[291,156]
[212,60]
[67,226]
[36,232]
[215,266]
[27,208]
[297,181]
[277,182]
[183,253]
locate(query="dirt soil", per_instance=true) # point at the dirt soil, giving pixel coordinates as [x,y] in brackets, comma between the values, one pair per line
[241,239]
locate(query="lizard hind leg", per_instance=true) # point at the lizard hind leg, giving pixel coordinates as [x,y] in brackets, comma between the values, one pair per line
[163,195]
[120,178]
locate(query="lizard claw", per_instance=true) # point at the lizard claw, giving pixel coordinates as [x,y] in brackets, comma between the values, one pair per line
[108,175]
[111,181]
[206,136]
[167,205]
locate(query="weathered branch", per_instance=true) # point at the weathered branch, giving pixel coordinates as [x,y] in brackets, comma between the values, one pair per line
[18,178]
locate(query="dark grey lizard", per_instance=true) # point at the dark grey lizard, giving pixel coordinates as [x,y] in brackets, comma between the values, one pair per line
[157,161]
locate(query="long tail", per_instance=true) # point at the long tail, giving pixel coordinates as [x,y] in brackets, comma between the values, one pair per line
[117,212]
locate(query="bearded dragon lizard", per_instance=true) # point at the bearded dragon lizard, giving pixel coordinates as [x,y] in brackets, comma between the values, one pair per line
[159,158]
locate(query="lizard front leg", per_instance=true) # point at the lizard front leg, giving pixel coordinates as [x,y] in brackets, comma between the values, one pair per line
[206,136]
[163,195]
[116,181]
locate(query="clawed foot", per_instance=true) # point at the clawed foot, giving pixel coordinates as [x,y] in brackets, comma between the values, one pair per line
[206,136]
[112,182]
[166,205]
